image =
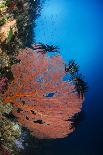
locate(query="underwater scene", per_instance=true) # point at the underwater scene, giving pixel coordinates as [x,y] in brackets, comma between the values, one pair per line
[51,77]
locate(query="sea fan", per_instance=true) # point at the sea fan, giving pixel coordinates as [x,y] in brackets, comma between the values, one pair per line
[42,101]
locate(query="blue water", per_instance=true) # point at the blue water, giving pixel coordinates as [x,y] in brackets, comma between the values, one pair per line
[76,26]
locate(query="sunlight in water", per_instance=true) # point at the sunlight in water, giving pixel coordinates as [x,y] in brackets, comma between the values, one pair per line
[52,9]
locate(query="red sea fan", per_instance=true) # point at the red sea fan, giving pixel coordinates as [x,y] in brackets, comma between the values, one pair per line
[42,101]
[3,82]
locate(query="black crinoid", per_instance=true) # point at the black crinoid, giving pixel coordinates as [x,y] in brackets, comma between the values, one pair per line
[49,48]
[81,85]
[72,67]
